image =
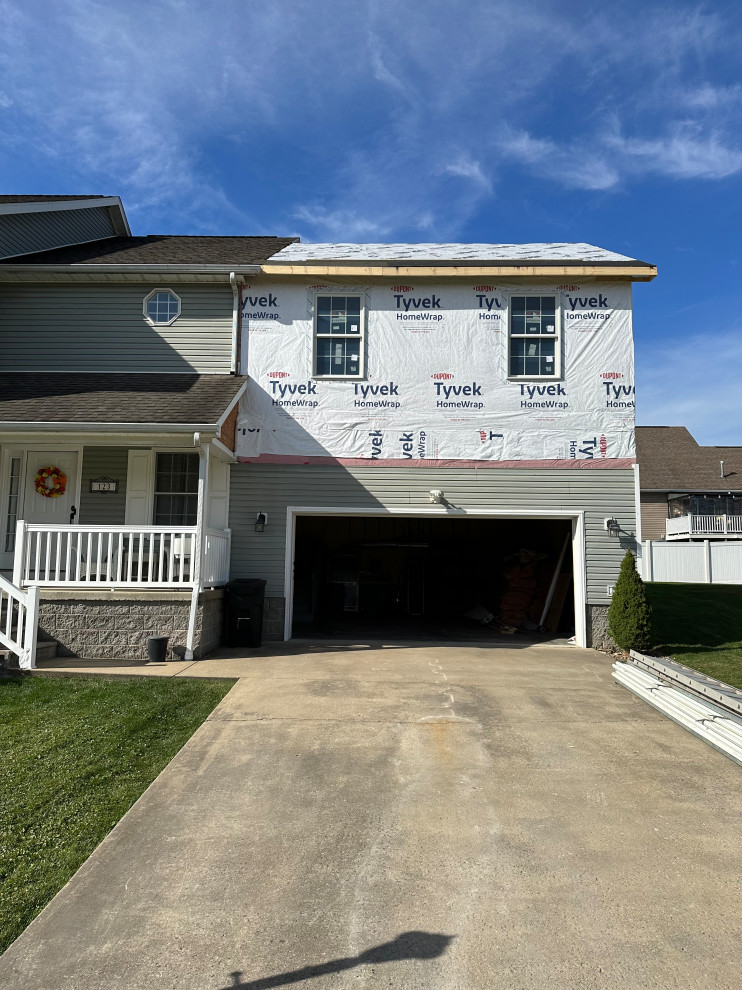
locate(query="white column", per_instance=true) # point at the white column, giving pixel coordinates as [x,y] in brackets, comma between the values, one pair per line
[204,452]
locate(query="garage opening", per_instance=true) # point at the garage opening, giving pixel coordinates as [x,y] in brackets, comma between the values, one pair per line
[441,577]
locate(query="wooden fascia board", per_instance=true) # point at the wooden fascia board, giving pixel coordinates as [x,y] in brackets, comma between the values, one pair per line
[636,273]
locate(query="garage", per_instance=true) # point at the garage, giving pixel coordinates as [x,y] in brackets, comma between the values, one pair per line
[438,576]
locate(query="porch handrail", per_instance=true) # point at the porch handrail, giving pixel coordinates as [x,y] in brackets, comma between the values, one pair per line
[698,524]
[124,556]
[19,622]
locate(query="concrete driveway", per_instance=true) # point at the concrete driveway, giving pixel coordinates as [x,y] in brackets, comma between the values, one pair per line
[417,817]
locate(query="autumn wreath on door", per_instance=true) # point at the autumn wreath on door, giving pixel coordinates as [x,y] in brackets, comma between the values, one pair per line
[50,482]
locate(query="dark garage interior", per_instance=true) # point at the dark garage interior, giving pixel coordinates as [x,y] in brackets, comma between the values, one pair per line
[432,577]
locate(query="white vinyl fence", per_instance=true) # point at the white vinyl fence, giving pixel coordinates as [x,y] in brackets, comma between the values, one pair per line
[708,562]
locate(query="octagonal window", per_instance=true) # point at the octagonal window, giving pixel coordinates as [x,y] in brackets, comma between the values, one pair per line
[162,307]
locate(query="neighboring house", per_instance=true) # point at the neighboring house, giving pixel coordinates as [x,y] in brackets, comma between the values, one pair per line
[119,368]
[688,492]
[427,428]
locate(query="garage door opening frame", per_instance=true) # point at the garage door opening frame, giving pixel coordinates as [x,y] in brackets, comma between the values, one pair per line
[577,519]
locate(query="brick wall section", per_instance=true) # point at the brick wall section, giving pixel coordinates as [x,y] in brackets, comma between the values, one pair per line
[229,430]
[117,628]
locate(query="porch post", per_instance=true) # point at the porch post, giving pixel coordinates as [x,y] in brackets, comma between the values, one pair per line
[31,629]
[204,453]
[20,552]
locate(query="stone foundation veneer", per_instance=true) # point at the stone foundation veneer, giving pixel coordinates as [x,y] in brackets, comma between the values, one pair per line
[597,628]
[115,625]
[273,619]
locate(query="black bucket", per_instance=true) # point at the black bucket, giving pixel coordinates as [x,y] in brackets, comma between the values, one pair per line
[157,648]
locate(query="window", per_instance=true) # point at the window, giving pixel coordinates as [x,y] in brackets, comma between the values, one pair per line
[534,337]
[162,307]
[176,490]
[12,508]
[338,337]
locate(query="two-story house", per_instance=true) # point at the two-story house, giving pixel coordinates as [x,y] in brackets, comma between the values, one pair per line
[432,432]
[119,385]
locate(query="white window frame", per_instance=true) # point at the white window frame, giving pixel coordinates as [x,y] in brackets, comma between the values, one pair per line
[360,337]
[154,292]
[556,337]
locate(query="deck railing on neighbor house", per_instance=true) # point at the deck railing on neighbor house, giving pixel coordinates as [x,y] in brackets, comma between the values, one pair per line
[682,527]
[120,556]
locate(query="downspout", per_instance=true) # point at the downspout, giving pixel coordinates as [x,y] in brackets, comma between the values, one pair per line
[236,281]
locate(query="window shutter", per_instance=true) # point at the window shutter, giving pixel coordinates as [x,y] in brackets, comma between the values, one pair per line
[140,487]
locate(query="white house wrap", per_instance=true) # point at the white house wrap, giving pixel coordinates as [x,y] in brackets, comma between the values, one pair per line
[435,382]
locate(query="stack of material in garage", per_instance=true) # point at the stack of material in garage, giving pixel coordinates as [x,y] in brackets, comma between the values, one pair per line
[527,585]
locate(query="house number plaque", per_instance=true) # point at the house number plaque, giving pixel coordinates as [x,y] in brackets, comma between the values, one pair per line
[103,485]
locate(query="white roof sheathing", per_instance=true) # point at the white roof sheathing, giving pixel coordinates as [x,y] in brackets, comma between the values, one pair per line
[298,253]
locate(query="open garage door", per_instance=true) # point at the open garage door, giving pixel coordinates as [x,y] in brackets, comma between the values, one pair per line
[441,577]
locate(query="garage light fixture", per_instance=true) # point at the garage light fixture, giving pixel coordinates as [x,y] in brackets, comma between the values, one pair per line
[436,495]
[612,526]
[261,521]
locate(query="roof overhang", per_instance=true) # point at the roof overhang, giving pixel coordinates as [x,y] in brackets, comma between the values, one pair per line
[113,203]
[632,271]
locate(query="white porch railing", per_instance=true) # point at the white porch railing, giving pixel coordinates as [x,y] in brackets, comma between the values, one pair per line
[682,527]
[119,556]
[19,616]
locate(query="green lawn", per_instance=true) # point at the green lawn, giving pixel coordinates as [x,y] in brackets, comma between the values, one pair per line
[701,626]
[76,754]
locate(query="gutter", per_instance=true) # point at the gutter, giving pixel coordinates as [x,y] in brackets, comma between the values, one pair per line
[26,427]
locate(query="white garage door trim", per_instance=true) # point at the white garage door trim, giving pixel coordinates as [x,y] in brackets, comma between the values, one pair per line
[578,546]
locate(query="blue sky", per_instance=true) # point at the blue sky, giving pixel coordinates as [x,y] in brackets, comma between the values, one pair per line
[360,120]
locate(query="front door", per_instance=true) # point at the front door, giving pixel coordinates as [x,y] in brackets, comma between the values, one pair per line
[24,502]
[40,508]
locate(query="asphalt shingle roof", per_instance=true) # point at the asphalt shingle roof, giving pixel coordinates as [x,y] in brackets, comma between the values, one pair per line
[163,249]
[106,398]
[670,460]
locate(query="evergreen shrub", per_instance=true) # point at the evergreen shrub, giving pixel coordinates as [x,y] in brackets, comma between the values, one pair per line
[630,614]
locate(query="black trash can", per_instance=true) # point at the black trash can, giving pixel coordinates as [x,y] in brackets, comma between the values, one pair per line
[157,649]
[243,612]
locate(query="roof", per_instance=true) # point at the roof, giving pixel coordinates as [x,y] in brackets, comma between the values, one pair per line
[297,253]
[161,249]
[670,460]
[44,199]
[180,399]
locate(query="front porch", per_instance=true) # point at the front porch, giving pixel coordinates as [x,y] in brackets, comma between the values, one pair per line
[724,526]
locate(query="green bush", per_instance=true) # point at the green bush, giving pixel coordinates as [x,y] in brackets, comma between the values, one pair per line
[630,614]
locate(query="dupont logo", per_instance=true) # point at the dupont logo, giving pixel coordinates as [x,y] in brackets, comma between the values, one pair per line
[315,287]
[484,288]
[439,375]
[402,288]
[569,288]
[279,374]
[485,435]
[611,375]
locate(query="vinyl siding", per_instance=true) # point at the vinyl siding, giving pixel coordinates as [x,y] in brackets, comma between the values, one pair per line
[98,509]
[654,515]
[265,488]
[103,328]
[24,233]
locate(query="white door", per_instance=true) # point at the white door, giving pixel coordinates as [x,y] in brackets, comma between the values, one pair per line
[40,508]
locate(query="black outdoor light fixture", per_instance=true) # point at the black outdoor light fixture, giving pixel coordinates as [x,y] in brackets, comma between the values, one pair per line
[612,526]
[261,521]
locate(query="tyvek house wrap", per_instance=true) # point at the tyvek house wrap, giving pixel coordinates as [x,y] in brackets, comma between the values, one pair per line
[435,382]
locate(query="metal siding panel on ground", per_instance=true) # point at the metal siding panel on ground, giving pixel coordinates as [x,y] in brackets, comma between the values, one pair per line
[271,488]
[103,328]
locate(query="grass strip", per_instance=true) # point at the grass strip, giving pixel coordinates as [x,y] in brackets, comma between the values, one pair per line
[701,626]
[76,754]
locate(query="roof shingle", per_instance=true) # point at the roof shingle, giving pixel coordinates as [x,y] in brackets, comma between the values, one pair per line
[670,460]
[27,397]
[161,250]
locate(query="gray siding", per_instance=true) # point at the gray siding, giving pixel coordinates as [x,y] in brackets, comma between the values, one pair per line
[654,515]
[24,233]
[264,488]
[99,509]
[103,328]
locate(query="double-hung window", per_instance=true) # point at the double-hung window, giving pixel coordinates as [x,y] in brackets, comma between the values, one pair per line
[176,489]
[534,337]
[338,336]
